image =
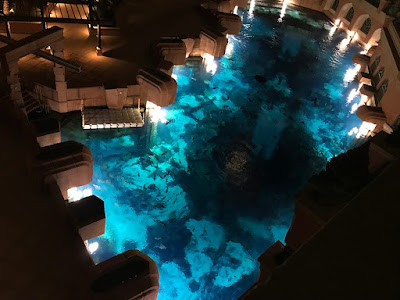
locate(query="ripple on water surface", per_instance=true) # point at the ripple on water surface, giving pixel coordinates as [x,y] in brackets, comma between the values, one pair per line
[207,193]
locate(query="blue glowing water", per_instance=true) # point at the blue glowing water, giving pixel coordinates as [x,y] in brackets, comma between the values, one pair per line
[207,193]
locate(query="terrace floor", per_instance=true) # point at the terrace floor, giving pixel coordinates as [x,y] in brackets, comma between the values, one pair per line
[124,54]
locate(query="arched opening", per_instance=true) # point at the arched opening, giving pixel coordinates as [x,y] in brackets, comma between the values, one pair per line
[350,14]
[329,4]
[359,22]
[335,5]
[375,64]
[343,10]
[376,36]
[381,91]
[374,2]
[366,26]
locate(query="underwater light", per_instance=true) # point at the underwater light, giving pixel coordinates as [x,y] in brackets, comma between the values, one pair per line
[332,31]
[365,129]
[352,95]
[251,8]
[74,194]
[283,11]
[229,49]
[353,131]
[92,248]
[343,44]
[351,74]
[156,113]
[211,66]
[354,108]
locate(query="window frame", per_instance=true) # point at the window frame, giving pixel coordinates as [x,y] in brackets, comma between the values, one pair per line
[366,26]
[351,9]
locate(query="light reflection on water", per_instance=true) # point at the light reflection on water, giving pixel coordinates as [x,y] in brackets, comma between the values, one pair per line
[206,192]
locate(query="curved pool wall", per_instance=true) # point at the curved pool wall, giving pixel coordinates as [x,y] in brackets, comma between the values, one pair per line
[210,190]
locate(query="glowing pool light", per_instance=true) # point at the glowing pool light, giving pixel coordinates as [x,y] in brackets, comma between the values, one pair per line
[365,129]
[229,48]
[332,31]
[353,93]
[235,10]
[251,8]
[92,248]
[283,11]
[353,131]
[211,65]
[174,76]
[351,74]
[366,49]
[75,194]
[156,113]
[343,44]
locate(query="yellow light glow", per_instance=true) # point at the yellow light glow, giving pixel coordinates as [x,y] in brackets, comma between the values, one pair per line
[337,22]
[174,76]
[235,10]
[156,113]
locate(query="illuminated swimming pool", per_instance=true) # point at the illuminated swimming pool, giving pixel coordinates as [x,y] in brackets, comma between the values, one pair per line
[210,190]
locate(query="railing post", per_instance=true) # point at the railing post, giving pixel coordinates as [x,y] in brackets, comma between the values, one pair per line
[42,15]
[7,26]
[98,48]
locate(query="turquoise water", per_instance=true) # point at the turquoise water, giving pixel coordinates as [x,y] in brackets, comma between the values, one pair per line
[209,191]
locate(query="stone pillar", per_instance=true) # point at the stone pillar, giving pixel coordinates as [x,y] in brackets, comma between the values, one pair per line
[14,83]
[59,74]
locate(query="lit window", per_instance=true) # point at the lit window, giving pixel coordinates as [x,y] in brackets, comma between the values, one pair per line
[366,26]
[350,14]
